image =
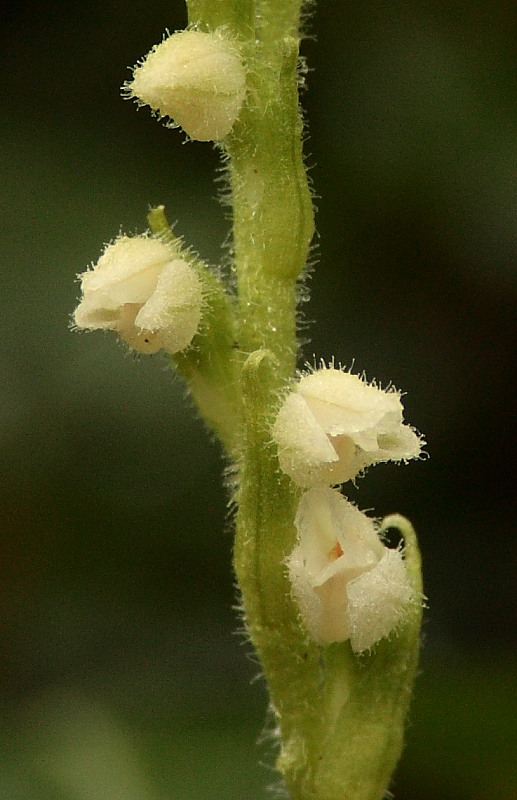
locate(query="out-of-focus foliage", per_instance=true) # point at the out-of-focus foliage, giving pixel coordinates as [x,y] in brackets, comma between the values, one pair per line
[120,673]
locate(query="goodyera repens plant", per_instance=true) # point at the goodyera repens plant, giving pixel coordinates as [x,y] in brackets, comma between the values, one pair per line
[333,612]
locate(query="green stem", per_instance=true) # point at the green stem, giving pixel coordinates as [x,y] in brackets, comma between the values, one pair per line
[272,208]
[273,225]
[236,16]
[340,716]
[272,229]
[265,535]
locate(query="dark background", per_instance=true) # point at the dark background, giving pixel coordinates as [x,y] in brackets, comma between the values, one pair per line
[120,673]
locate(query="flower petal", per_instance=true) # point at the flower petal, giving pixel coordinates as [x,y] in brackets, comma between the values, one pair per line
[92,313]
[127,271]
[303,447]
[176,303]
[378,600]
[344,404]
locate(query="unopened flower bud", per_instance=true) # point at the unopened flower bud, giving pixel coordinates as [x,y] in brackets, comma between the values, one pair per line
[146,293]
[197,79]
[347,583]
[334,425]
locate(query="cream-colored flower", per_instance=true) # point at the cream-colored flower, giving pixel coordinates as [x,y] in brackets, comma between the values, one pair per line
[347,583]
[334,425]
[139,288]
[195,78]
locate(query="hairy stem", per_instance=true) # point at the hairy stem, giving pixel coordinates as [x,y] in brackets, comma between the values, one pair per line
[339,716]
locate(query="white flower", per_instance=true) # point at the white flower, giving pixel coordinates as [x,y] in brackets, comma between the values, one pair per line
[197,79]
[334,425]
[347,583]
[139,288]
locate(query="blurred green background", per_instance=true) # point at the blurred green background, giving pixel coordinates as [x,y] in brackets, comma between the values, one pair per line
[121,676]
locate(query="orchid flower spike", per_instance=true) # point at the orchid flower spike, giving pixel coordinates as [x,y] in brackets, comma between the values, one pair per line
[195,78]
[145,292]
[347,583]
[334,425]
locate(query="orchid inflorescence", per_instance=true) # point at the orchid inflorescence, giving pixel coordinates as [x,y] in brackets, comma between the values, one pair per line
[333,612]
